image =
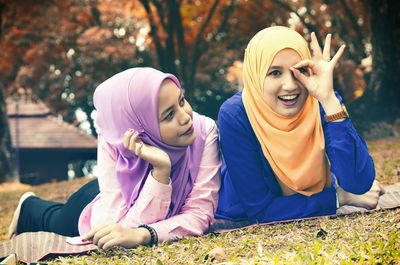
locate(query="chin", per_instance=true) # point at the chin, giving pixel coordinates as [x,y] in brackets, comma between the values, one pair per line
[186,142]
[192,139]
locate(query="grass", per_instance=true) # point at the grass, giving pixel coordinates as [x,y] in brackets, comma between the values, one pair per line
[372,238]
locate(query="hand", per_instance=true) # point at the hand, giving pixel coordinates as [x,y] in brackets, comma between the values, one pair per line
[111,234]
[155,156]
[319,81]
[368,200]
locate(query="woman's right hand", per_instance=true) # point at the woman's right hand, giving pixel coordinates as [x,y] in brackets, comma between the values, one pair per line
[155,156]
[368,200]
[111,234]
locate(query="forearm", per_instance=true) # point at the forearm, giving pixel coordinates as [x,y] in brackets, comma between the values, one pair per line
[151,205]
[198,210]
[331,105]
[349,157]
[162,174]
[295,206]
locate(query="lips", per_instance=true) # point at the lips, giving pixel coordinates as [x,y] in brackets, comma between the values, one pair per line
[189,131]
[289,99]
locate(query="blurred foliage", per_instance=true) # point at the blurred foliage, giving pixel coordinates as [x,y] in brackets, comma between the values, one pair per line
[61,50]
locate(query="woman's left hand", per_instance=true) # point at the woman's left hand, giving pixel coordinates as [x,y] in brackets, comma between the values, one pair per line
[111,234]
[368,200]
[319,81]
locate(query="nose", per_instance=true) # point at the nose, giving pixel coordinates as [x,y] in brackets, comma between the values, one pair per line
[184,116]
[289,82]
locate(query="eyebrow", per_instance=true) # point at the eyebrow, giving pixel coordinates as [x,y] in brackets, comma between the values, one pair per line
[170,107]
[274,67]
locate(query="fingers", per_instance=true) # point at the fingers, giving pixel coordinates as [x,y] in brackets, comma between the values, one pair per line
[383,190]
[326,54]
[111,235]
[111,243]
[304,64]
[135,144]
[298,75]
[104,242]
[102,234]
[315,47]
[92,233]
[338,54]
[306,67]
[379,187]
[127,137]
[132,141]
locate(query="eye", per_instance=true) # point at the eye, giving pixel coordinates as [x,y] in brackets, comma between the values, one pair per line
[303,70]
[182,101]
[275,73]
[169,116]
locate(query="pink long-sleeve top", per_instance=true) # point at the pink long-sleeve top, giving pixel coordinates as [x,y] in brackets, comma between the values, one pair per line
[152,204]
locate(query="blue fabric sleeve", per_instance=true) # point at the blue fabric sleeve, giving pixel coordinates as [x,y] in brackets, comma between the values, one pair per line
[250,190]
[348,155]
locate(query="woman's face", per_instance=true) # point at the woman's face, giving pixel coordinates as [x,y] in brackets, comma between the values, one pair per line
[282,91]
[174,116]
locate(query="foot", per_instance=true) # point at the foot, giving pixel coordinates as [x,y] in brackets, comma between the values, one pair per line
[12,229]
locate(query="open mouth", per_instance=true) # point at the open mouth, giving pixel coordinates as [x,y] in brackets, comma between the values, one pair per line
[289,99]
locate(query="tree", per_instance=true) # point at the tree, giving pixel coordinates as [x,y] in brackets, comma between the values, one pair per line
[8,171]
[178,30]
[62,50]
[382,98]
[199,40]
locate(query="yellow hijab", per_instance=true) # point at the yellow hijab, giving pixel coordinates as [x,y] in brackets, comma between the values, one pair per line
[294,146]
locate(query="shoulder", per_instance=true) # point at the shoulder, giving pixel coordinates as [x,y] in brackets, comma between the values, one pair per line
[232,115]
[232,105]
[232,110]
[211,126]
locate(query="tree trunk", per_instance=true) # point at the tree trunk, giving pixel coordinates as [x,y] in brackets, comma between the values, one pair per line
[382,97]
[8,172]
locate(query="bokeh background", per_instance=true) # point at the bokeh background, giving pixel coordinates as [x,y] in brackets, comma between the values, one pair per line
[57,52]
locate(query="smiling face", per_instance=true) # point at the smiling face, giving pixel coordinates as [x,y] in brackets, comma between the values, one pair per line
[174,116]
[282,91]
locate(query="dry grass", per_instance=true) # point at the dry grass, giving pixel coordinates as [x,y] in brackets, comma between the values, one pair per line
[354,239]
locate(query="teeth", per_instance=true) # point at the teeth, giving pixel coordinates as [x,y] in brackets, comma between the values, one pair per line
[291,97]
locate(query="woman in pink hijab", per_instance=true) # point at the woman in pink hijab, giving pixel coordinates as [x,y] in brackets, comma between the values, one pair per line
[158,169]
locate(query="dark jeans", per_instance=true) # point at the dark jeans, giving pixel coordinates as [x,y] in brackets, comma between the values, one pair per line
[41,215]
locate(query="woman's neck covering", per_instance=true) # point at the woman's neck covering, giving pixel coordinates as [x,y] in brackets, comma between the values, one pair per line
[294,146]
[130,100]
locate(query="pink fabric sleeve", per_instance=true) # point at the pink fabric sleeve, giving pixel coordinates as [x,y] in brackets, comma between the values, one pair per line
[109,204]
[198,211]
[151,206]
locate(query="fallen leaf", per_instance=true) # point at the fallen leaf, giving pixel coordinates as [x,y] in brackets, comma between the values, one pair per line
[218,253]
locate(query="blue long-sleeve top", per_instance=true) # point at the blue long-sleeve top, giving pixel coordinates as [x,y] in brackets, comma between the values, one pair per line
[249,188]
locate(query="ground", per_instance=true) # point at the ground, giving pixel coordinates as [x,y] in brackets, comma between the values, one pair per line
[358,238]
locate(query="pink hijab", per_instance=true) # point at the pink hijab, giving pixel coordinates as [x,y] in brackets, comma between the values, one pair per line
[130,100]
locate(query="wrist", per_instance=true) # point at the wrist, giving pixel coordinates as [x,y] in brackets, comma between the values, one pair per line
[331,104]
[149,235]
[143,235]
[162,174]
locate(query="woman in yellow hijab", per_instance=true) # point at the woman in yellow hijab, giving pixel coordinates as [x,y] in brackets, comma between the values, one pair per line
[289,147]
